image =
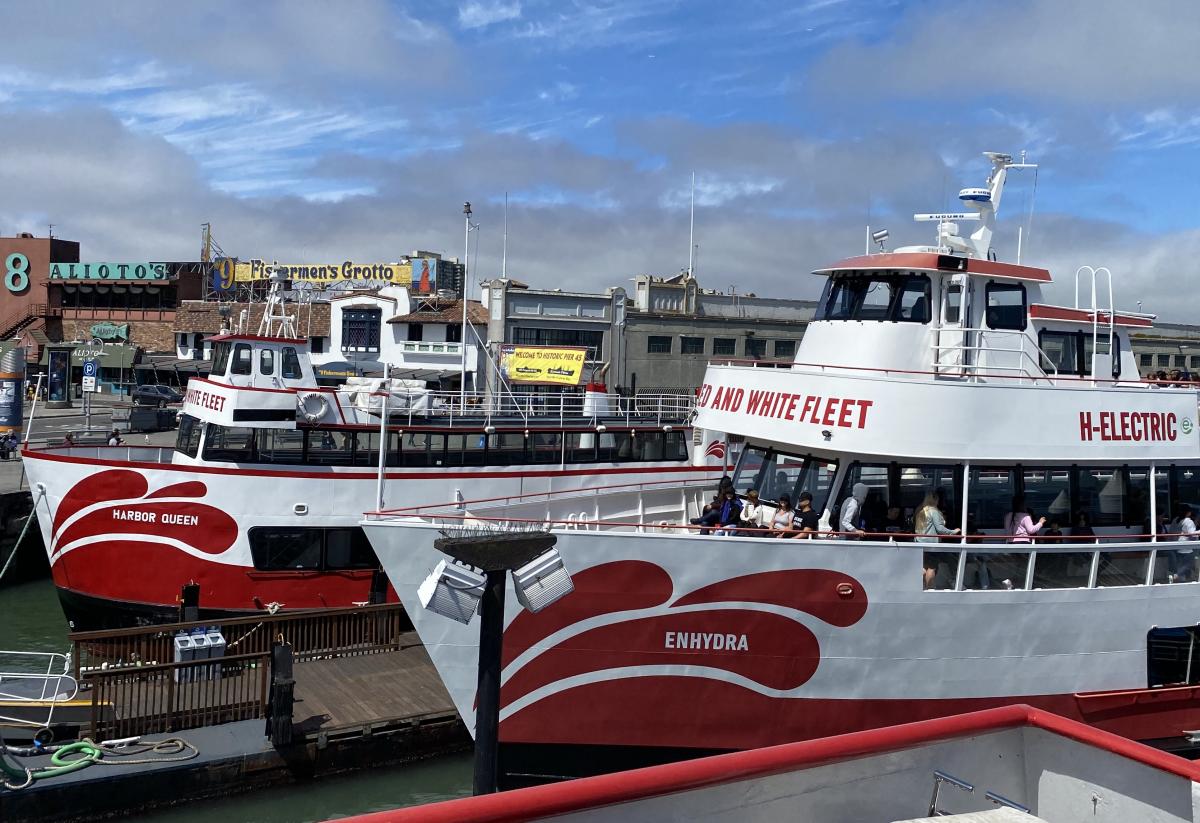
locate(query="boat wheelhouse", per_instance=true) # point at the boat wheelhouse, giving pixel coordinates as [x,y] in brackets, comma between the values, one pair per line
[257,507]
[931,376]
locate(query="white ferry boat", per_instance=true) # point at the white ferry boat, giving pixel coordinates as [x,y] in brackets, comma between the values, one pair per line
[259,501]
[930,374]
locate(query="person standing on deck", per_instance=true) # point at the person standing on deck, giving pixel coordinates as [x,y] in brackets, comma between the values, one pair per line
[851,514]
[1019,525]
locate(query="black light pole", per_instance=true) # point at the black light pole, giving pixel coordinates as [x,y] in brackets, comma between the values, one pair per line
[496,553]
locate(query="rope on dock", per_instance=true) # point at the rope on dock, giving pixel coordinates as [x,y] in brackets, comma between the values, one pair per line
[71,757]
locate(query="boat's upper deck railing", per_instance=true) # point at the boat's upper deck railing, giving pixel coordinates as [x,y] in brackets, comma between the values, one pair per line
[558,409]
[917,374]
[116,454]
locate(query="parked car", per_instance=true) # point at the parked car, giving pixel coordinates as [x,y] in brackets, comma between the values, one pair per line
[156,396]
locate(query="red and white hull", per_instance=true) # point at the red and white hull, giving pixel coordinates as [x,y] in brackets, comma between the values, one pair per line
[705,643]
[125,532]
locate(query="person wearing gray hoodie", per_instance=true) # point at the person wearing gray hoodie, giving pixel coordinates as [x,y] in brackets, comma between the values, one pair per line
[851,513]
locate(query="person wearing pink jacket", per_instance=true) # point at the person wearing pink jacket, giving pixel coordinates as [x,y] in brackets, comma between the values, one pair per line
[1019,525]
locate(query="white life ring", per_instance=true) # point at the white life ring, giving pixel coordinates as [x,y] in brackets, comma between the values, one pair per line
[313,411]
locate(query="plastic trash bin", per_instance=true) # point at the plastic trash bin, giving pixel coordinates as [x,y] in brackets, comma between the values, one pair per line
[216,650]
[185,650]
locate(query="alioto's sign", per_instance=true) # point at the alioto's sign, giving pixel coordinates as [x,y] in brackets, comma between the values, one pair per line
[109,271]
[543,364]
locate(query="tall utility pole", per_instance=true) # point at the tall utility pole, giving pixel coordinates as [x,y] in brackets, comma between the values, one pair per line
[463,338]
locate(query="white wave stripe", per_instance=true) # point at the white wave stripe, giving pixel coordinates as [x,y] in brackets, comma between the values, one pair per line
[108,537]
[806,619]
[629,672]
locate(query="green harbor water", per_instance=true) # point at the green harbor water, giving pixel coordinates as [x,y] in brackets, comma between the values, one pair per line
[30,620]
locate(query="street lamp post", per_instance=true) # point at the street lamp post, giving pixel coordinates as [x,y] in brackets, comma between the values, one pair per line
[463,337]
[539,578]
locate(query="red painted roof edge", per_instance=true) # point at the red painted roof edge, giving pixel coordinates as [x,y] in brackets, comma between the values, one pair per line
[610,789]
[928,261]
[1069,314]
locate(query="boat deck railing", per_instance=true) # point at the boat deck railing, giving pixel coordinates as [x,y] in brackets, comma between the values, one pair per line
[558,409]
[117,454]
[945,372]
[39,679]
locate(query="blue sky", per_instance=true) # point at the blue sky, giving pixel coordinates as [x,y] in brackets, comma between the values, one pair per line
[354,130]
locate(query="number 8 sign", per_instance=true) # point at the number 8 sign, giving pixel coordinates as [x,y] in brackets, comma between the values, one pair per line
[16,274]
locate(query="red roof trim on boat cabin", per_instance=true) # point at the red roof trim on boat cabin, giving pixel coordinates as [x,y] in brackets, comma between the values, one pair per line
[1042,311]
[931,261]
[611,789]
[236,336]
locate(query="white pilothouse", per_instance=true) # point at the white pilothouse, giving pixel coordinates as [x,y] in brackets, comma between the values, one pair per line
[259,502]
[931,376]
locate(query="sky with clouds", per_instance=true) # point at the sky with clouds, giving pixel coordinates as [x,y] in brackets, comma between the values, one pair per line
[311,130]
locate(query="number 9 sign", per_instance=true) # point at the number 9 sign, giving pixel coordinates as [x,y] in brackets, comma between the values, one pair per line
[222,274]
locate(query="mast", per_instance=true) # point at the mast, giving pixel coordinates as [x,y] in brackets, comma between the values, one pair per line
[692,228]
[504,251]
[463,337]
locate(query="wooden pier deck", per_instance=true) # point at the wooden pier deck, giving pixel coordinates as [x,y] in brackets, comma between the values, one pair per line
[369,692]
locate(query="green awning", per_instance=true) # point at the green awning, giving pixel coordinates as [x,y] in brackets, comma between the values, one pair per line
[110,357]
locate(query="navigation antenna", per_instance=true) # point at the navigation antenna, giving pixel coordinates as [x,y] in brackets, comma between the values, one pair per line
[276,322]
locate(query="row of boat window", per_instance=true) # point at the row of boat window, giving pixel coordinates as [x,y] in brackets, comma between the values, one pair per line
[1057,569]
[1116,497]
[906,298]
[323,447]
[294,548]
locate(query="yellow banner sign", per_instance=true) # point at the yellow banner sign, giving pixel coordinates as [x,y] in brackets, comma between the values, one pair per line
[543,364]
[228,271]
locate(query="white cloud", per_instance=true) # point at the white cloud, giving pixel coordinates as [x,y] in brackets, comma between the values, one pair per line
[479,14]
[558,93]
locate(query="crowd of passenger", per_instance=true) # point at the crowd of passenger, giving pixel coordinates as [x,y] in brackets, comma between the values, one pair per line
[1174,379]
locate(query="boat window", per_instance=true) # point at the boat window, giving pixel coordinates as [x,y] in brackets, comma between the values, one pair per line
[1061,352]
[188,440]
[1172,656]
[1116,356]
[1006,306]
[295,548]
[220,358]
[953,303]
[1047,493]
[780,475]
[422,449]
[290,366]
[508,448]
[1122,568]
[581,447]
[818,480]
[1062,570]
[234,444]
[750,464]
[874,508]
[275,548]
[912,302]
[281,446]
[999,570]
[1111,497]
[918,481]
[898,297]
[990,491]
[467,449]
[241,359]
[366,449]
[348,549]
[266,362]
[331,448]
[545,447]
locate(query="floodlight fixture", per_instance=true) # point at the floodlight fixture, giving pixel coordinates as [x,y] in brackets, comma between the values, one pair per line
[542,581]
[452,590]
[880,237]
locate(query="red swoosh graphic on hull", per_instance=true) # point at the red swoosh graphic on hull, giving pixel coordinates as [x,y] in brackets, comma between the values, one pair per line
[609,587]
[114,484]
[773,650]
[192,488]
[767,648]
[195,524]
[807,590]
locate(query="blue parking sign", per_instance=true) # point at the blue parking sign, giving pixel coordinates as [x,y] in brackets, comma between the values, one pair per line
[89,368]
